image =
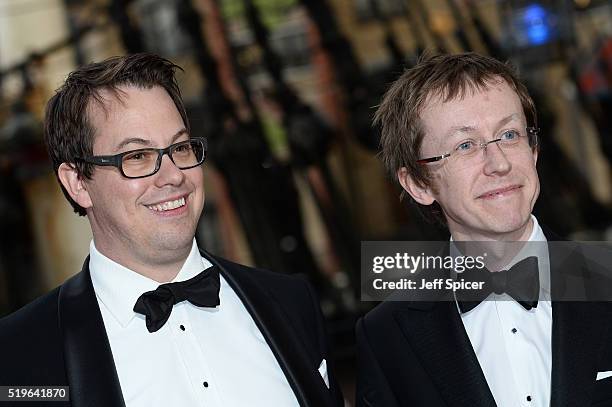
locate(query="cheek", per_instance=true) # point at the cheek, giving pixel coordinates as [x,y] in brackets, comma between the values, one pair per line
[115,189]
[530,170]
[453,186]
[132,191]
[197,179]
[536,185]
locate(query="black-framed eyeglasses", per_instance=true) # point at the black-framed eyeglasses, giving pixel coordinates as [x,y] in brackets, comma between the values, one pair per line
[508,140]
[145,162]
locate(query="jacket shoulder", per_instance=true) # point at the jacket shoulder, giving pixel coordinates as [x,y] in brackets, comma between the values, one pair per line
[267,275]
[292,293]
[383,315]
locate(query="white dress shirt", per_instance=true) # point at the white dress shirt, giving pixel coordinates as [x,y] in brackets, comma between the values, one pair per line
[209,357]
[513,345]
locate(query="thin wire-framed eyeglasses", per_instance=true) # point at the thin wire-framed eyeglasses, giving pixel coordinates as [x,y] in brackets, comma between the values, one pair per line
[508,140]
[145,162]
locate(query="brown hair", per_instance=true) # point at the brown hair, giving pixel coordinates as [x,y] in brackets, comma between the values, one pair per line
[68,131]
[444,76]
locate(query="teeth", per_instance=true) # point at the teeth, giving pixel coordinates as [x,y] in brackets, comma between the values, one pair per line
[495,194]
[166,206]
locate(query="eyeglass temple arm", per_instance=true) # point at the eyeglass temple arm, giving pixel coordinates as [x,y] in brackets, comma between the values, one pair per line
[104,160]
[433,159]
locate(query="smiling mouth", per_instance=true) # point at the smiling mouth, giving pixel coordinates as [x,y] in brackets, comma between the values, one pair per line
[168,205]
[499,192]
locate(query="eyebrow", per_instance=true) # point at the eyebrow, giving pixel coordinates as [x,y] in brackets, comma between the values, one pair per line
[470,129]
[145,142]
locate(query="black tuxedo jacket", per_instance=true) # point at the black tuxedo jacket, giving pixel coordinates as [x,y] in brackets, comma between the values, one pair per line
[419,354]
[60,339]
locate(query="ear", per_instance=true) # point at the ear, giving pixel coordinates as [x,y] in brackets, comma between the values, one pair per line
[74,184]
[420,194]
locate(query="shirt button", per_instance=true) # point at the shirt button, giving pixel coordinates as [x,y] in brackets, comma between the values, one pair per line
[514,330]
[528,398]
[182,327]
[205,384]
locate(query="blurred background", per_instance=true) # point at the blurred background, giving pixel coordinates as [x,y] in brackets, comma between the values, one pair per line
[285,91]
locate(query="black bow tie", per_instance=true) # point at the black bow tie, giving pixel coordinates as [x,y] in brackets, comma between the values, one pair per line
[521,282]
[201,290]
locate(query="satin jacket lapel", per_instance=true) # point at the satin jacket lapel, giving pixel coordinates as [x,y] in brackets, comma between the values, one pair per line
[578,331]
[288,347]
[436,334]
[90,368]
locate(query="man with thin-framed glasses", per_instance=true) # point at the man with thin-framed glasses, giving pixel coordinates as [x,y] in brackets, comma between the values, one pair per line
[459,133]
[151,319]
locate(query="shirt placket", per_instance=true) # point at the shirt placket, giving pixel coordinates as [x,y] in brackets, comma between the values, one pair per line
[200,372]
[515,342]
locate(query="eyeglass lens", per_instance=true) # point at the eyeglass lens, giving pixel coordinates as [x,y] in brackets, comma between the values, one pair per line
[476,153]
[145,161]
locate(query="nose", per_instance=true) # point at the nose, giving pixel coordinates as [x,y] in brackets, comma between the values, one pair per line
[169,173]
[495,160]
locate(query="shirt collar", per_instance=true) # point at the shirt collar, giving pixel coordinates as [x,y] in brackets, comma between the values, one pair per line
[537,247]
[537,234]
[118,287]
[540,250]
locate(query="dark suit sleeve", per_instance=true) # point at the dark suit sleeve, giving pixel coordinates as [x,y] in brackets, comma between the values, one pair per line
[372,387]
[334,387]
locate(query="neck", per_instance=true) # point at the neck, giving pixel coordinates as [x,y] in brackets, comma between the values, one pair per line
[500,248]
[162,270]
[521,234]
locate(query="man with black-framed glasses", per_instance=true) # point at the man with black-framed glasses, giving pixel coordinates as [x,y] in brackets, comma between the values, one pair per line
[144,162]
[153,320]
[528,324]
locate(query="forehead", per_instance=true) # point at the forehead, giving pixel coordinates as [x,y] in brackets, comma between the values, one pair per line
[477,107]
[114,103]
[148,114]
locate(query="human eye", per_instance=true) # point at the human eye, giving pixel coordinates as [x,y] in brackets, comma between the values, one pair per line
[138,155]
[465,146]
[183,147]
[510,135]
